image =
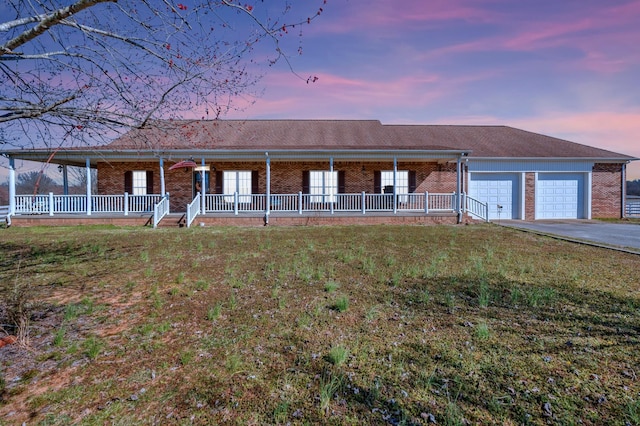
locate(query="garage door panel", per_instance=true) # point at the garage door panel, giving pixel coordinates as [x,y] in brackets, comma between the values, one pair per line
[496,189]
[560,196]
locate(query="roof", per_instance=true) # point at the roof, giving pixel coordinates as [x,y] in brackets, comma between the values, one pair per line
[349,139]
[481,141]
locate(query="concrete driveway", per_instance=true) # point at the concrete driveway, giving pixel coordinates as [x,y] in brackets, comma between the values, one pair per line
[610,234]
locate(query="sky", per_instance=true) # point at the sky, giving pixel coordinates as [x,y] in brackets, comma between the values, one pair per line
[564,68]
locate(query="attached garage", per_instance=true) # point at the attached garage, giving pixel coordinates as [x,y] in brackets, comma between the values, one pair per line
[499,190]
[560,196]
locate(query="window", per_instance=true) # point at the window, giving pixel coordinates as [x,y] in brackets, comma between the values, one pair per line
[237,181]
[324,186]
[139,182]
[402,181]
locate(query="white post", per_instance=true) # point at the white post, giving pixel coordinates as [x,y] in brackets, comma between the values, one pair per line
[364,200]
[458,185]
[331,194]
[268,190]
[88,167]
[162,186]
[426,202]
[235,203]
[300,202]
[51,204]
[12,186]
[395,185]
[126,204]
[203,189]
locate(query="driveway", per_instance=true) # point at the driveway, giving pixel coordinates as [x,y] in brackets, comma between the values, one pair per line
[609,234]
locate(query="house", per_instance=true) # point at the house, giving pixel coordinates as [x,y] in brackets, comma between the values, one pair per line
[338,169]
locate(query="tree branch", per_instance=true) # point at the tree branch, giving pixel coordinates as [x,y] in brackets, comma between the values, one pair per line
[46,23]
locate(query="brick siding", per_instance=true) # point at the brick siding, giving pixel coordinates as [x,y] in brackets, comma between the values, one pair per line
[606,195]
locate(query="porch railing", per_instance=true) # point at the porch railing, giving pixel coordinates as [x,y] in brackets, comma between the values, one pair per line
[300,203]
[60,204]
[476,208]
[160,210]
[193,209]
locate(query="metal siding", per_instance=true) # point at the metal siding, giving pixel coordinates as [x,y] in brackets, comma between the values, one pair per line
[522,166]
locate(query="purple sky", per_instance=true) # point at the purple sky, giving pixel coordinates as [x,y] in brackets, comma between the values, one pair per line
[565,68]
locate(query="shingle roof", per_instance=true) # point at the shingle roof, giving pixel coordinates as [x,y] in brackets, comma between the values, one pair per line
[300,135]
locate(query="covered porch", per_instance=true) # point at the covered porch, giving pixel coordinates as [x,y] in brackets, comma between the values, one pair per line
[353,184]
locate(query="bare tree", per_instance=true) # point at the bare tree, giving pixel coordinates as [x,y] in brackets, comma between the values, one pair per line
[80,71]
[34,183]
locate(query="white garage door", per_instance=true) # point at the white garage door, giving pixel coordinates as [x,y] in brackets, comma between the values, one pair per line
[499,191]
[560,196]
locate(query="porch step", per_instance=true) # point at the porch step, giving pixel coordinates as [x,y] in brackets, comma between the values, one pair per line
[4,216]
[173,220]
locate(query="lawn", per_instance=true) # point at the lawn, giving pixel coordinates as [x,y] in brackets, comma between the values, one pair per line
[317,325]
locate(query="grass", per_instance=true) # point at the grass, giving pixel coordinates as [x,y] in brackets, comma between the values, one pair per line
[320,325]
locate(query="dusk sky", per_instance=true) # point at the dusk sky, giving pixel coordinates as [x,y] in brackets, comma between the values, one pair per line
[565,68]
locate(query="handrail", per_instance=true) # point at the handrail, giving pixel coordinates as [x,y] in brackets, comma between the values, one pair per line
[476,207]
[160,210]
[193,209]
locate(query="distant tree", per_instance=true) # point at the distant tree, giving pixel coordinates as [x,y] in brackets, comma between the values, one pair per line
[633,187]
[78,180]
[34,183]
[78,70]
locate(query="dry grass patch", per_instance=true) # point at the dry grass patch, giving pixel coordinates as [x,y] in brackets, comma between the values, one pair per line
[321,325]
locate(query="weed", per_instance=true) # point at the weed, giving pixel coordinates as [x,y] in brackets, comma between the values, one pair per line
[368,265]
[234,363]
[484,295]
[144,256]
[482,331]
[331,286]
[338,355]
[233,301]
[342,304]
[214,312]
[281,412]
[371,314]
[201,285]
[180,278]
[424,296]
[58,336]
[92,347]
[186,357]
[329,386]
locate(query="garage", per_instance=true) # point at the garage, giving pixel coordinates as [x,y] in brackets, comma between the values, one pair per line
[560,196]
[500,192]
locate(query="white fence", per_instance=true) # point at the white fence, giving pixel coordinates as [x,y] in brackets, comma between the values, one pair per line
[632,208]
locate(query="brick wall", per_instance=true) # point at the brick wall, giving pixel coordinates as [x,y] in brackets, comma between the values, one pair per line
[286,177]
[529,196]
[606,195]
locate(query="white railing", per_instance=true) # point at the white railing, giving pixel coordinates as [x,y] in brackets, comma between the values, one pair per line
[632,208]
[72,204]
[160,210]
[193,209]
[5,215]
[476,208]
[301,203]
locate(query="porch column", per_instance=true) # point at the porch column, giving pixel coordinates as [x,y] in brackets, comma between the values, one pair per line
[458,188]
[88,170]
[12,186]
[162,187]
[331,174]
[65,180]
[203,189]
[268,190]
[395,185]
